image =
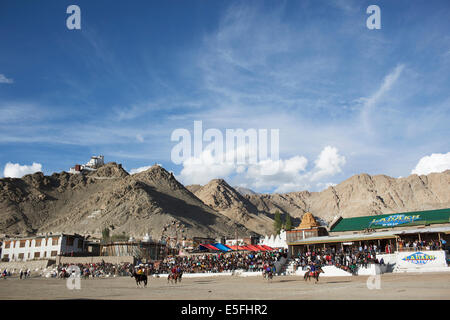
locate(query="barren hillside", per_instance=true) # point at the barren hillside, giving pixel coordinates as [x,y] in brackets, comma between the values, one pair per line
[131,204]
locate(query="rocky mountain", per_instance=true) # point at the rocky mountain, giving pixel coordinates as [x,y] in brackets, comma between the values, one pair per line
[153,202]
[245,191]
[147,202]
[220,196]
[363,195]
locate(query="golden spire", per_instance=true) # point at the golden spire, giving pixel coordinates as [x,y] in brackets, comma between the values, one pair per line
[308,221]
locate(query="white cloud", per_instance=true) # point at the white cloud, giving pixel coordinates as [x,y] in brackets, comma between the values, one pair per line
[328,163]
[15,170]
[286,174]
[322,186]
[140,169]
[4,79]
[139,137]
[144,168]
[436,162]
[205,168]
[370,103]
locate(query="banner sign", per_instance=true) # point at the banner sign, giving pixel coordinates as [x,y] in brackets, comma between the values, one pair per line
[421,259]
[394,220]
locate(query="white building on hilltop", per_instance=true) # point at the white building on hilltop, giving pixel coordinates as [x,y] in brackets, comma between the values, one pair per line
[93,164]
[96,162]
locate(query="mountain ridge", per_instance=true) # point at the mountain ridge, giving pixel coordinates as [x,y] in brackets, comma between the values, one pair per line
[153,200]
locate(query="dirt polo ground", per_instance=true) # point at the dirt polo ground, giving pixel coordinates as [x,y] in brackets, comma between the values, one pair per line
[392,286]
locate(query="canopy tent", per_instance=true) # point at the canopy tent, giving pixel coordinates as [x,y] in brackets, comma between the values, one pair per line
[240,248]
[248,247]
[207,246]
[267,247]
[253,248]
[222,247]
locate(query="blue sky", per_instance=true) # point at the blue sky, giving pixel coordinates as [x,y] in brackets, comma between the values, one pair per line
[346,99]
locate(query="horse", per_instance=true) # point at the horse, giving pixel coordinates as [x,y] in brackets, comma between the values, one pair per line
[313,274]
[268,275]
[173,277]
[139,278]
[64,274]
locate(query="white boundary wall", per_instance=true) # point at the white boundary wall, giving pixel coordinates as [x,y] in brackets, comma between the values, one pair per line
[332,271]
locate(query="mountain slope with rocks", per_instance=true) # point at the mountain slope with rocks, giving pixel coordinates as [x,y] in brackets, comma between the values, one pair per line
[147,202]
[220,196]
[363,195]
[153,201]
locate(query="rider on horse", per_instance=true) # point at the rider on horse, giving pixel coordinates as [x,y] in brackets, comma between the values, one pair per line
[312,270]
[174,270]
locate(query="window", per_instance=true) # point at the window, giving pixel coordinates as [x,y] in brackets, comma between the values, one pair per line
[37,242]
[54,253]
[45,254]
[6,256]
[7,244]
[37,254]
[80,243]
[22,243]
[54,241]
[20,256]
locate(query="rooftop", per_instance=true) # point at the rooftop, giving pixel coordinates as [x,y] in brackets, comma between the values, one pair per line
[393,220]
[391,234]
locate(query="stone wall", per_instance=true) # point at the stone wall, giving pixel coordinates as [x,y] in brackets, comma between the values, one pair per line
[96,259]
[30,264]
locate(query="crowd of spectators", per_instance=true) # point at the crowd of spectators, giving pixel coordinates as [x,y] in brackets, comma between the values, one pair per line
[349,259]
[199,263]
[419,245]
[222,262]
[95,270]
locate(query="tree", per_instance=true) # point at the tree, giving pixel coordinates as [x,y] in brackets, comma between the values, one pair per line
[277,224]
[105,234]
[287,222]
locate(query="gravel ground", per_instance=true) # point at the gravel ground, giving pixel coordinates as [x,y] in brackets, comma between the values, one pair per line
[392,286]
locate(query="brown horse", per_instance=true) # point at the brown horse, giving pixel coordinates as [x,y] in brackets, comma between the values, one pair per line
[174,277]
[313,274]
[140,278]
[267,274]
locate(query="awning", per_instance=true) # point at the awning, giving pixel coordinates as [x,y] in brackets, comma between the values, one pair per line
[325,239]
[267,247]
[261,248]
[222,247]
[253,248]
[208,246]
